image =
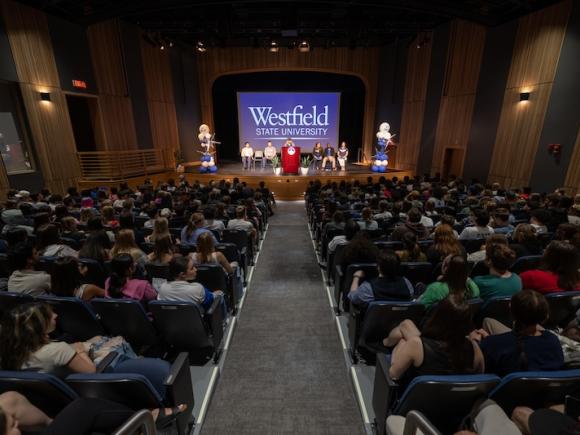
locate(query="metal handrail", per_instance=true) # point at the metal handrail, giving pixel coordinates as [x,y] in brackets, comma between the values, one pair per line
[140,422]
[415,421]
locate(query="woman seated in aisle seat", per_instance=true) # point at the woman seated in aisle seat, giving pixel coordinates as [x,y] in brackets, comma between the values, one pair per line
[122,285]
[206,254]
[66,276]
[559,270]
[500,281]
[440,348]
[454,280]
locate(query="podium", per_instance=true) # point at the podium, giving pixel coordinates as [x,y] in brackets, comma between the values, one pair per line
[290,159]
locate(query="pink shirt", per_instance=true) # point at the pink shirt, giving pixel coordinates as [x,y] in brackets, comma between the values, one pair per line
[137,289]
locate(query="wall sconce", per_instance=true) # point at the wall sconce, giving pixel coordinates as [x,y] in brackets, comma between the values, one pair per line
[524,96]
[45,96]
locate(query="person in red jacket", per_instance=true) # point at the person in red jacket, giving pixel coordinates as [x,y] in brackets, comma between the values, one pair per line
[559,270]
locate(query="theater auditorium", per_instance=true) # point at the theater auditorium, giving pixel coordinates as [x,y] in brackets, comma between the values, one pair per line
[290,217]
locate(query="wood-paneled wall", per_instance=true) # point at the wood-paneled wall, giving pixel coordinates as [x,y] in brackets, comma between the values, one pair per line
[50,124]
[116,111]
[572,183]
[418,61]
[464,54]
[534,62]
[160,97]
[362,62]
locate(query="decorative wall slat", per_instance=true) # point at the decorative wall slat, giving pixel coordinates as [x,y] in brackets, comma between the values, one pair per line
[466,43]
[362,62]
[416,79]
[118,124]
[573,175]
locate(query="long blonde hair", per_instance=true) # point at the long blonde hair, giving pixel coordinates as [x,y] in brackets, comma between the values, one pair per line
[160,229]
[124,243]
[205,247]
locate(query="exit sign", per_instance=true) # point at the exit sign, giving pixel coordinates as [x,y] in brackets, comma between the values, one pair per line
[79,84]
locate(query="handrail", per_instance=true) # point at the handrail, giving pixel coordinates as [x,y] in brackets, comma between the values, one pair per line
[122,164]
[140,422]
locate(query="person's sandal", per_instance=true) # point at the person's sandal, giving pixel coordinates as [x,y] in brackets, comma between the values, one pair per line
[163,420]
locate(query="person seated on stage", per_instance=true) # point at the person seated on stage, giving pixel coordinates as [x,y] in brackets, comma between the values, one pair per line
[269,153]
[329,157]
[317,153]
[342,155]
[247,155]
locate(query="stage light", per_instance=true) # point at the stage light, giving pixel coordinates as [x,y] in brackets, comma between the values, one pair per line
[524,96]
[304,47]
[162,47]
[274,47]
[200,47]
[45,96]
[170,44]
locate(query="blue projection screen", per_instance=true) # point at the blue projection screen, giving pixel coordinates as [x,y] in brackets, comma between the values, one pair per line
[306,117]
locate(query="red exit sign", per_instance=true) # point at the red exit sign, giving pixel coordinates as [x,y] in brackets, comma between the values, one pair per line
[79,84]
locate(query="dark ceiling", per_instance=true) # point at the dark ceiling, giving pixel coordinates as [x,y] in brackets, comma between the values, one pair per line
[351,23]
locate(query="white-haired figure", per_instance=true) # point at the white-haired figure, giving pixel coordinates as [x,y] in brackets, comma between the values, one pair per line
[206,141]
[381,159]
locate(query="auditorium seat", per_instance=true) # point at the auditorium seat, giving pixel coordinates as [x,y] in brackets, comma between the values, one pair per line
[9,300]
[529,262]
[444,400]
[213,277]
[76,319]
[417,272]
[243,241]
[536,389]
[563,307]
[183,328]
[343,282]
[497,308]
[157,270]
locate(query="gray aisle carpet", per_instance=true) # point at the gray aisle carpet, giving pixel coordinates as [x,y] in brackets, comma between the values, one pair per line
[285,372]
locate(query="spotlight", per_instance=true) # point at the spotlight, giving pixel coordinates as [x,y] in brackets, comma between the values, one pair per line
[162,46]
[200,47]
[304,47]
[45,96]
[274,47]
[170,44]
[524,96]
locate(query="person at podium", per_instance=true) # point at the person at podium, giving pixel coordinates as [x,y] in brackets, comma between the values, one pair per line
[329,157]
[247,155]
[269,153]
[317,154]
[289,143]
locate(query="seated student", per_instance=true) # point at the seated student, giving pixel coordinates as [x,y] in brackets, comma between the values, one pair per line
[444,243]
[525,241]
[121,284]
[21,259]
[241,222]
[367,222]
[66,280]
[163,251]
[528,346]
[269,153]
[412,251]
[96,247]
[501,222]
[558,272]
[384,212]
[454,280]
[70,230]
[480,255]
[180,288]
[538,219]
[481,229]
[413,224]
[500,281]
[389,286]
[125,244]
[206,254]
[49,245]
[247,153]
[211,223]
[440,348]
[350,229]
[195,226]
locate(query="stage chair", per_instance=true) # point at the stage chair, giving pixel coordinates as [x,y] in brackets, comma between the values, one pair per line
[444,400]
[258,157]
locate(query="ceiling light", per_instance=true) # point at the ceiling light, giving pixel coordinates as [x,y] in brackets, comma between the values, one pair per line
[200,47]
[304,47]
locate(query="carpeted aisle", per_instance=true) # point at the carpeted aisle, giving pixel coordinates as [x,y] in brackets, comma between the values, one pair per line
[285,372]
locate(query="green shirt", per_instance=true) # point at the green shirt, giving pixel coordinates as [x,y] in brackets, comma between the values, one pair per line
[437,291]
[491,285]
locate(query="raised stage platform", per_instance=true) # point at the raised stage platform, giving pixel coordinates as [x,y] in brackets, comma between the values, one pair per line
[285,187]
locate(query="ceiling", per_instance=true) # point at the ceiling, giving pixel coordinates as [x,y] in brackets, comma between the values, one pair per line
[325,24]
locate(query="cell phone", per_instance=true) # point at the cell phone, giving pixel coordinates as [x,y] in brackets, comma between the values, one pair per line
[572,407]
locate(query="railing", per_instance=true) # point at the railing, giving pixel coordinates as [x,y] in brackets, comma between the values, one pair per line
[140,422]
[120,165]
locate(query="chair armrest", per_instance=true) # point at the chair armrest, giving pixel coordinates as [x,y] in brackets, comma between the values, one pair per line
[179,389]
[217,299]
[175,369]
[106,362]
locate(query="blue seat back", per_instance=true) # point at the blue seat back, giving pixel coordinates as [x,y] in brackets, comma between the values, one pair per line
[75,317]
[157,270]
[417,272]
[445,400]
[43,390]
[230,251]
[497,308]
[212,276]
[563,307]
[96,272]
[9,300]
[394,245]
[535,389]
[526,263]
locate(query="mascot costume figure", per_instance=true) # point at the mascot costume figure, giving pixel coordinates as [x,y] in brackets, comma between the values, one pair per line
[207,155]
[381,159]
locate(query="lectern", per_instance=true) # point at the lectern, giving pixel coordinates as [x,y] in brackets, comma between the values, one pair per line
[290,159]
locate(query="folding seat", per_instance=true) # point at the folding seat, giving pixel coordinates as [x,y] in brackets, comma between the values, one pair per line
[175,232]
[231,252]
[243,241]
[186,248]
[327,237]
[184,328]
[497,308]
[213,277]
[417,272]
[444,400]
[137,392]
[45,391]
[45,263]
[96,272]
[76,318]
[546,238]
[9,300]
[343,281]
[127,318]
[367,328]
[526,263]
[563,307]
[73,243]
[472,245]
[536,389]
[426,244]
[394,245]
[157,270]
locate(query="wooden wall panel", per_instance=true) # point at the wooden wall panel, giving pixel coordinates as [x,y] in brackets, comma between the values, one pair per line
[163,125]
[116,110]
[417,76]
[29,36]
[465,51]
[572,182]
[534,62]
[362,62]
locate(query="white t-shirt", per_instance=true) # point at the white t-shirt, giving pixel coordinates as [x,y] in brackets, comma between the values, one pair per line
[240,224]
[247,152]
[269,152]
[50,357]
[30,282]
[471,233]
[182,291]
[427,221]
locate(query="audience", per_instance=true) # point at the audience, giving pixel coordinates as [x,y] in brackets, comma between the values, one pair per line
[412,251]
[121,283]
[412,225]
[480,229]
[22,259]
[195,227]
[206,254]
[125,244]
[163,251]
[525,242]
[49,245]
[445,243]
[66,279]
